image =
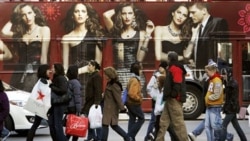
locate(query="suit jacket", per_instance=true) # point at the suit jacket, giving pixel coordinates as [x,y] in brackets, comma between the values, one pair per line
[207,47]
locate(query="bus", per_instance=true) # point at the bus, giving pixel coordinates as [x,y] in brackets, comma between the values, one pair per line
[233,51]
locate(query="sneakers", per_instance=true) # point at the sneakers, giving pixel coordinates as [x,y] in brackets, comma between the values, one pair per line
[5,137]
[191,136]
[230,137]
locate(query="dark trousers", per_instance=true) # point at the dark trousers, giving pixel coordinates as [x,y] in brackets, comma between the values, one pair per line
[233,119]
[116,128]
[151,124]
[33,128]
[136,119]
[56,124]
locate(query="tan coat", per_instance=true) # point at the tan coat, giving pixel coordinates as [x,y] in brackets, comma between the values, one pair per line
[112,104]
[134,92]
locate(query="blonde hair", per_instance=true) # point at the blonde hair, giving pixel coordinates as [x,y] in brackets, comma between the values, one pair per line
[211,68]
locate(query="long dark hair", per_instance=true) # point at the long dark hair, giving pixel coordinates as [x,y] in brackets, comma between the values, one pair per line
[186,27]
[92,24]
[118,26]
[1,86]
[72,72]
[59,70]
[19,27]
[42,71]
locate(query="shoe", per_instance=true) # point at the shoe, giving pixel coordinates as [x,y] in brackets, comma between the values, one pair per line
[191,136]
[151,136]
[5,137]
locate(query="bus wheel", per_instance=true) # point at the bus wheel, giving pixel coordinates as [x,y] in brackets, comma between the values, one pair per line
[194,105]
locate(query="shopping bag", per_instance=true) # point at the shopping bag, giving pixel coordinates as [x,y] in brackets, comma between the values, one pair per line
[248,110]
[39,100]
[76,125]
[95,116]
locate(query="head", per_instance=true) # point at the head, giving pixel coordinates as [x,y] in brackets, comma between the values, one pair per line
[110,74]
[83,13]
[160,81]
[211,68]
[72,72]
[162,67]
[1,86]
[126,15]
[25,15]
[179,13]
[93,66]
[136,68]
[172,57]
[57,69]
[43,71]
[198,12]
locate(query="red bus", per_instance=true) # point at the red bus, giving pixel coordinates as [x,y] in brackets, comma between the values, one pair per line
[233,51]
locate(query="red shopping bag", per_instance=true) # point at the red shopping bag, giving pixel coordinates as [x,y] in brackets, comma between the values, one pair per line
[76,125]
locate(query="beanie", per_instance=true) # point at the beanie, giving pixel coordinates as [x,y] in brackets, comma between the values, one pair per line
[212,63]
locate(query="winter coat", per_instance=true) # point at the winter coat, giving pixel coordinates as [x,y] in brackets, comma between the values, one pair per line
[93,94]
[76,101]
[231,105]
[4,106]
[112,104]
[59,87]
[134,91]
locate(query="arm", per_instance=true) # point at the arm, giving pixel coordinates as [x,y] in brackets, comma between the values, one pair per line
[45,44]
[151,86]
[107,19]
[97,89]
[144,39]
[65,54]
[6,30]
[98,59]
[6,54]
[158,45]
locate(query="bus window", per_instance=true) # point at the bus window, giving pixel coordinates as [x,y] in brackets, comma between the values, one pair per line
[224,54]
[246,71]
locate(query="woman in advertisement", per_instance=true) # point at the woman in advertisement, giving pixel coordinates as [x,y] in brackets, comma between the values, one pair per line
[31,38]
[131,32]
[175,36]
[5,52]
[84,37]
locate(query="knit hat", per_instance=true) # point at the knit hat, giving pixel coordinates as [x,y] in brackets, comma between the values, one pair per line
[163,64]
[212,63]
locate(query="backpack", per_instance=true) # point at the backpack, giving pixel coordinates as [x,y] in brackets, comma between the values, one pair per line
[124,96]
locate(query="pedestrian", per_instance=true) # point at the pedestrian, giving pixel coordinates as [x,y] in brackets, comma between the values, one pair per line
[43,73]
[112,105]
[4,108]
[93,96]
[134,101]
[213,102]
[59,87]
[174,96]
[231,106]
[75,104]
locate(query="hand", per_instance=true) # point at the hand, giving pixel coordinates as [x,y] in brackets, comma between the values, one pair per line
[125,110]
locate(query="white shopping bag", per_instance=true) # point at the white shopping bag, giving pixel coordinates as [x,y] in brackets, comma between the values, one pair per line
[248,110]
[39,100]
[95,117]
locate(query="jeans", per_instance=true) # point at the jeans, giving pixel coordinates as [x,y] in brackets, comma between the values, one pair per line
[33,128]
[213,123]
[56,124]
[5,132]
[199,129]
[151,124]
[117,129]
[136,119]
[233,119]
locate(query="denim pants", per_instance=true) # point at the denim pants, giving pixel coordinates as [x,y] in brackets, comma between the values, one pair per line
[33,128]
[151,124]
[233,119]
[5,132]
[136,119]
[56,124]
[213,123]
[95,134]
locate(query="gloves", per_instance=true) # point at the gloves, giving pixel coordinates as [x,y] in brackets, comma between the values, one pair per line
[96,106]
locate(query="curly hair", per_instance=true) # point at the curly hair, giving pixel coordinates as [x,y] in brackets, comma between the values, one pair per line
[19,27]
[92,24]
[140,19]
